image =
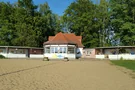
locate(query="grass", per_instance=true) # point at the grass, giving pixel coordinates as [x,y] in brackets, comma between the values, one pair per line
[129,64]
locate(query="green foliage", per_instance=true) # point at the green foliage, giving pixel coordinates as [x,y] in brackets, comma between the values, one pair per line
[123,20]
[88,20]
[2,57]
[130,64]
[121,58]
[25,24]
[111,22]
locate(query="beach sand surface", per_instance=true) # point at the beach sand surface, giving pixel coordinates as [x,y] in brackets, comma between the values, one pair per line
[60,75]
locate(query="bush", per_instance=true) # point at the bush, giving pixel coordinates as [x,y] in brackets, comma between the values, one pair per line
[121,58]
[1,56]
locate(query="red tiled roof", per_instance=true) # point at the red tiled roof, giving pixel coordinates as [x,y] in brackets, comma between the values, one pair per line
[65,38]
[51,37]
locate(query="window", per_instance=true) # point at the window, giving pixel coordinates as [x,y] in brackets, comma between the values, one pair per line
[71,50]
[52,50]
[64,49]
[88,52]
[21,52]
[13,51]
[47,50]
[1,51]
[56,49]
[61,49]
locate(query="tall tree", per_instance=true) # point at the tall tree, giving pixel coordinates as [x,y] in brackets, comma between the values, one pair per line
[23,17]
[47,24]
[6,10]
[103,19]
[88,20]
[123,21]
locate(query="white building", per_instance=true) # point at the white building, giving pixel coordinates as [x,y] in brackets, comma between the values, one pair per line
[115,52]
[63,45]
[21,52]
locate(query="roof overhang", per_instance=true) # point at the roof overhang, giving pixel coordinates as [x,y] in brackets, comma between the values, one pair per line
[113,47]
[21,47]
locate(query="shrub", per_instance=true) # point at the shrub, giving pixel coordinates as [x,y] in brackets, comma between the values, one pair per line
[121,58]
[1,56]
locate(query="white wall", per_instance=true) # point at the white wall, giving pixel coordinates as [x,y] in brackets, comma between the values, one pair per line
[88,53]
[124,56]
[36,55]
[59,56]
[10,55]
[117,57]
[100,56]
[71,56]
[14,55]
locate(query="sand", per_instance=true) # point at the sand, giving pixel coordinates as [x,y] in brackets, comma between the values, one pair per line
[61,75]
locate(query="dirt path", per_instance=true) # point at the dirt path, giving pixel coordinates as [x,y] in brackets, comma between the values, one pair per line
[60,75]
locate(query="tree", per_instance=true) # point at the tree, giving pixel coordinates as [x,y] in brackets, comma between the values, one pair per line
[6,10]
[88,20]
[103,18]
[22,19]
[123,21]
[24,24]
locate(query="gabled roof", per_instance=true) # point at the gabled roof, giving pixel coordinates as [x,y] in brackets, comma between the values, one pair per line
[65,38]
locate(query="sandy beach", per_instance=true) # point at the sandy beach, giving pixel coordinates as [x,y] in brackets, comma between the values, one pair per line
[61,75]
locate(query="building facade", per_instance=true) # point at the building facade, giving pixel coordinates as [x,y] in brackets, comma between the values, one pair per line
[116,52]
[63,45]
[89,53]
[21,52]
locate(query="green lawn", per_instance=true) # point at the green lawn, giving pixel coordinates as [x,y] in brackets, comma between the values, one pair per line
[130,64]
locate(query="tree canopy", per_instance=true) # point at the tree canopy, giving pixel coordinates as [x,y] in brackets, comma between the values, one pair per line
[26,24]
[108,23]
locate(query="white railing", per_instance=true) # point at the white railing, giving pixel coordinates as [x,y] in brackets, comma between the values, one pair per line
[117,57]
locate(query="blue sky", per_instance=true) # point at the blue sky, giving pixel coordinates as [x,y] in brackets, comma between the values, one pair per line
[57,6]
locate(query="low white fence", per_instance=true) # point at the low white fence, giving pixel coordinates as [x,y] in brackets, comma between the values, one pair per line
[117,57]
[14,55]
[22,55]
[36,56]
[100,56]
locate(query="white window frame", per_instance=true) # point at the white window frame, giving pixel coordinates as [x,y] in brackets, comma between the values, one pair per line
[52,49]
[47,49]
[71,50]
[63,50]
[88,53]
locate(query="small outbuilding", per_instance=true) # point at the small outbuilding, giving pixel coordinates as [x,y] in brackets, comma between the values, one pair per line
[63,45]
[21,52]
